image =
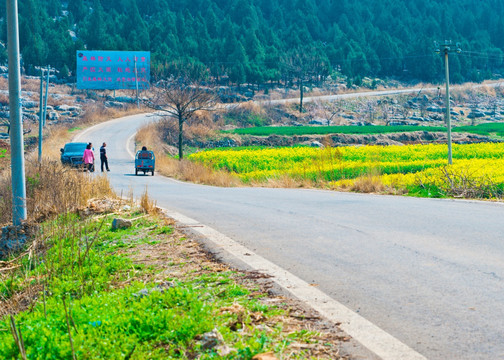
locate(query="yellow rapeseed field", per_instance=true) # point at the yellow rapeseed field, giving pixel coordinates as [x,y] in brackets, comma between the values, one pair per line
[406,167]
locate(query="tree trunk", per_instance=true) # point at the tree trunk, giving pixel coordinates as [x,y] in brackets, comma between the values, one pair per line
[300,96]
[180,137]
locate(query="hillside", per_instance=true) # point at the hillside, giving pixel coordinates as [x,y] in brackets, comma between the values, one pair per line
[254,41]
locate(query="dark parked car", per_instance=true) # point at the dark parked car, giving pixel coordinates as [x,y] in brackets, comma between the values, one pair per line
[72,153]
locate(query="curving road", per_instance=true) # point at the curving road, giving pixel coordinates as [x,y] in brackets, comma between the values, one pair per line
[429,272]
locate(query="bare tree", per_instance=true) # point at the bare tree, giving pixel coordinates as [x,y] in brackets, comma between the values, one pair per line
[474,100]
[370,109]
[328,110]
[385,111]
[180,99]
[304,66]
[493,104]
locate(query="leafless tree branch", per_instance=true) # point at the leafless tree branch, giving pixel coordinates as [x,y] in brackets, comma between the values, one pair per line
[180,99]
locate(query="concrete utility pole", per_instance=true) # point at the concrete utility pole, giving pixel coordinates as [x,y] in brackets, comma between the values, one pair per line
[44,116]
[16,126]
[41,112]
[447,48]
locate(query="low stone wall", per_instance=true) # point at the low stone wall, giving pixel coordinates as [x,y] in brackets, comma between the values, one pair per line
[405,138]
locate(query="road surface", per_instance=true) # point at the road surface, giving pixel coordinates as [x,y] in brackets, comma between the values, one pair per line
[429,272]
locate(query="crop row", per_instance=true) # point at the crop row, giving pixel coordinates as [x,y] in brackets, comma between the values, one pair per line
[481,129]
[396,166]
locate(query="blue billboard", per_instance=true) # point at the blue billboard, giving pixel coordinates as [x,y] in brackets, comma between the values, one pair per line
[113,69]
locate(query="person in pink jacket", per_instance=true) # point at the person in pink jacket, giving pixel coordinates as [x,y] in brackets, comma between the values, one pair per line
[88,158]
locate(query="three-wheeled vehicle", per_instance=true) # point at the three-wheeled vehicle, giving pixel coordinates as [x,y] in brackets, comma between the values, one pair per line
[145,161]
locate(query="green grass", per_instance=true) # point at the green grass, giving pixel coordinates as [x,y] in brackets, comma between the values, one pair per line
[481,129]
[325,130]
[3,153]
[115,311]
[150,322]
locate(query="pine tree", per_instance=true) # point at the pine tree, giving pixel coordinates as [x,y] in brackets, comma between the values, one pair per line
[78,9]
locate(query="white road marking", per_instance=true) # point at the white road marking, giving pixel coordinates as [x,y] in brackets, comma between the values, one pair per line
[130,139]
[366,333]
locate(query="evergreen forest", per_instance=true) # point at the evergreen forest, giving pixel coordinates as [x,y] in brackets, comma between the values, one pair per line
[260,41]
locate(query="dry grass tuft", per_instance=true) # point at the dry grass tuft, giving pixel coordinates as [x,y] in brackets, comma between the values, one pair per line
[199,131]
[251,107]
[32,85]
[53,141]
[150,136]
[4,99]
[284,181]
[368,184]
[148,205]
[189,171]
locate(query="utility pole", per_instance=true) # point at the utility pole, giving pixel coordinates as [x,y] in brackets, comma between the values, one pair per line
[41,112]
[447,48]
[19,213]
[44,116]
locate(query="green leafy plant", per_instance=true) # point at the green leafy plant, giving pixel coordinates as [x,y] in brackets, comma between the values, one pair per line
[95,302]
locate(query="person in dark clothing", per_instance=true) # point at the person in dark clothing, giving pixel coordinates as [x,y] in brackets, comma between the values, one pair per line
[103,157]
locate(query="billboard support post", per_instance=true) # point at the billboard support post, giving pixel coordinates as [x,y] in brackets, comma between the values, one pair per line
[136,83]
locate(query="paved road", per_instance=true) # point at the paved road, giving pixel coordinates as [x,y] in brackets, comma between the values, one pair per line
[429,272]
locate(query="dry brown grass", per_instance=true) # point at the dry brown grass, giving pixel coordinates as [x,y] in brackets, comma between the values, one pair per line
[4,99]
[368,184]
[55,138]
[189,171]
[148,205]
[199,131]
[52,189]
[284,181]
[252,107]
[32,85]
[150,136]
[96,112]
[468,89]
